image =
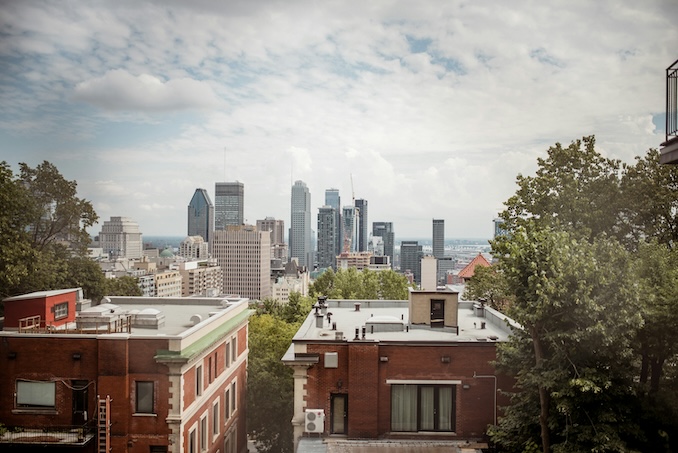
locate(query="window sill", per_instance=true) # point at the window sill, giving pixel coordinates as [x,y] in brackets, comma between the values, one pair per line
[142,414]
[34,411]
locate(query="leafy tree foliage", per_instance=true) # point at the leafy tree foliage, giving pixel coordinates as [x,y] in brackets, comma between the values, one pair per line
[123,286]
[577,308]
[270,384]
[488,283]
[42,233]
[366,284]
[574,188]
[578,193]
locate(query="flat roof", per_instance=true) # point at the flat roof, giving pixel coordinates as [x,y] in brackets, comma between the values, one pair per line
[388,315]
[37,294]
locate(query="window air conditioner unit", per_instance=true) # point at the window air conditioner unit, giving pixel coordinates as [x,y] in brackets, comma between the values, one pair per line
[314,421]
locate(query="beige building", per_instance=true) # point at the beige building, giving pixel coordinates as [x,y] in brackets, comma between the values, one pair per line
[244,254]
[194,247]
[168,284]
[203,278]
[277,230]
[359,260]
[120,238]
[429,274]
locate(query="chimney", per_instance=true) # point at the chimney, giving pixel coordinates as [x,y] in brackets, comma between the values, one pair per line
[364,332]
[319,321]
[357,333]
[357,306]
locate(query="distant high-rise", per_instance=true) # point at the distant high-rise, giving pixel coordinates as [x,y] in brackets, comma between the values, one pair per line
[361,207]
[385,231]
[410,258]
[498,227]
[348,229]
[333,200]
[439,238]
[201,215]
[327,237]
[120,238]
[244,254]
[300,225]
[277,230]
[229,201]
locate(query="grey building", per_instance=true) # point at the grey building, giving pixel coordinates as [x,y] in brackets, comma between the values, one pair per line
[201,215]
[348,229]
[327,240]
[229,202]
[333,200]
[362,239]
[439,238]
[385,231]
[300,244]
[410,258]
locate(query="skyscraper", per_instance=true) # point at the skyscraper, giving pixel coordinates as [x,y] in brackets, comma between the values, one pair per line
[201,215]
[244,255]
[277,229]
[410,258]
[229,200]
[348,229]
[120,238]
[300,225]
[361,207]
[326,237]
[333,200]
[439,238]
[385,231]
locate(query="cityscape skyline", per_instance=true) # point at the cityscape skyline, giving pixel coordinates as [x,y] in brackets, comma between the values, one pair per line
[427,110]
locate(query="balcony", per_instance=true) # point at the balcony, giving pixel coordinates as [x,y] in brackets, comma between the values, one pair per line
[57,436]
[669,149]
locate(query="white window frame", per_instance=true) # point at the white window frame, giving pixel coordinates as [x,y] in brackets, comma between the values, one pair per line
[216,415]
[198,380]
[203,433]
[227,404]
[193,433]
[60,311]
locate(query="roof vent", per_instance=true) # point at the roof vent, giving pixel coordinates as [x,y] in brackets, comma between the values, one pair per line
[196,319]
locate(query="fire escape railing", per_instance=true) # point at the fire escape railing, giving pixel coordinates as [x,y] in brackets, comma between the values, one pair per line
[672,101]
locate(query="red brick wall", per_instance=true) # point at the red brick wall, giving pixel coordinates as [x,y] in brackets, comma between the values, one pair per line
[364,377]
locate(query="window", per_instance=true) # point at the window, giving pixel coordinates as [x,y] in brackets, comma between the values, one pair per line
[35,395]
[198,380]
[215,419]
[234,349]
[227,359]
[203,433]
[230,444]
[423,407]
[209,369]
[227,404]
[233,398]
[191,441]
[144,397]
[61,310]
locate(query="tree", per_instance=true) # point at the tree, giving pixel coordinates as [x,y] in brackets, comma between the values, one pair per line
[57,214]
[577,308]
[123,286]
[270,384]
[650,193]
[42,230]
[574,188]
[366,284]
[488,283]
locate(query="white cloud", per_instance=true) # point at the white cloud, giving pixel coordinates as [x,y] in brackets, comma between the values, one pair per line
[120,90]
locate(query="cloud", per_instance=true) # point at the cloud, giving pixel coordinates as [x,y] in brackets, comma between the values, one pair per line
[120,90]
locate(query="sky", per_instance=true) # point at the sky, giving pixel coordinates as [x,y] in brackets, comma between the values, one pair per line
[426,109]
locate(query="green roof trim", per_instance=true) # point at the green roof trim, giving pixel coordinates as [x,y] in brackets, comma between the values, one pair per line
[164,355]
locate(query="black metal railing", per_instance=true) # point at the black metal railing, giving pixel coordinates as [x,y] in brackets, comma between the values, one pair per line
[672,101]
[48,435]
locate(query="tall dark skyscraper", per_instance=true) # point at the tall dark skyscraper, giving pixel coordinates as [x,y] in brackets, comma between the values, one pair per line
[201,215]
[439,238]
[333,200]
[229,202]
[385,231]
[410,258]
[300,225]
[326,237]
[361,207]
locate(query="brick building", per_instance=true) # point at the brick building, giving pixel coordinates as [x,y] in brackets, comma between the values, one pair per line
[130,375]
[417,369]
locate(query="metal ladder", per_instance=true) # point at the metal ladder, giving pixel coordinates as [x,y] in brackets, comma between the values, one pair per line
[104,425]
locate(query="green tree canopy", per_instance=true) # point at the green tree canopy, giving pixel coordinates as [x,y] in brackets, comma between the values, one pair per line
[366,284]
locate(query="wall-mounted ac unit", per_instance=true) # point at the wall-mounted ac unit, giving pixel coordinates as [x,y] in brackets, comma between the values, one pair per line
[314,421]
